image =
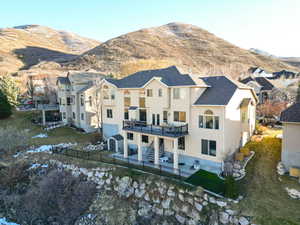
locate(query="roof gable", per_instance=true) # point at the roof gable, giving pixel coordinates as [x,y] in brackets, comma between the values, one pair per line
[219,93]
[170,76]
[291,114]
[63,80]
[266,85]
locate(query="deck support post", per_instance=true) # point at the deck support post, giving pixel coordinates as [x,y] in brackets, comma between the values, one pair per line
[125,145]
[140,152]
[44,117]
[156,151]
[175,155]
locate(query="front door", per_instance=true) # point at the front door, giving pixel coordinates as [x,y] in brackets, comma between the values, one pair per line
[112,145]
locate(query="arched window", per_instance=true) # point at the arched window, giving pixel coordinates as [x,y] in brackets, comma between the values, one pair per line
[208,120]
[208,112]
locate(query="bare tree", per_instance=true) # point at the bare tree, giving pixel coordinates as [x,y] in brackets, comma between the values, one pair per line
[96,102]
[271,108]
[49,91]
[58,196]
[30,87]
[12,139]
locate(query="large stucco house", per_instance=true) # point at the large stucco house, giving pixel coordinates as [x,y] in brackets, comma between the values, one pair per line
[79,102]
[290,155]
[166,116]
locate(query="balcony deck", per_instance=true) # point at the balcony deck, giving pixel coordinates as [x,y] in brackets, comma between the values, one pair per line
[167,131]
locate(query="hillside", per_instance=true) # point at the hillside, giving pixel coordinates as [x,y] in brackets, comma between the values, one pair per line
[187,46]
[24,46]
[293,61]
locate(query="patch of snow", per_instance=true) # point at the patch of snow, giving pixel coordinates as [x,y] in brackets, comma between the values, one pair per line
[45,148]
[37,165]
[3,221]
[293,193]
[40,136]
[281,169]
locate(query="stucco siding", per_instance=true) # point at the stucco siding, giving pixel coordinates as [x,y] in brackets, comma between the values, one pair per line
[234,131]
[290,155]
[110,129]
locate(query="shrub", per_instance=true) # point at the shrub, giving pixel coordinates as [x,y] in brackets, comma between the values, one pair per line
[245,151]
[57,196]
[13,176]
[5,107]
[231,188]
[12,139]
[239,156]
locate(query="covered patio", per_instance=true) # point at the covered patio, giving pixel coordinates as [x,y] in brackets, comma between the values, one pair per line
[182,170]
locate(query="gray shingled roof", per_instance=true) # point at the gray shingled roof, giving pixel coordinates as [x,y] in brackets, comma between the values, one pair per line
[63,80]
[86,88]
[220,92]
[291,114]
[118,137]
[169,76]
[266,85]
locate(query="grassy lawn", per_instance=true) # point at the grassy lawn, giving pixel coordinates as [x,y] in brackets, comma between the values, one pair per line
[265,197]
[207,180]
[272,132]
[22,121]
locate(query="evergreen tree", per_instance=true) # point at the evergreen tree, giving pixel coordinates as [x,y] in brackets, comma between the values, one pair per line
[10,89]
[5,107]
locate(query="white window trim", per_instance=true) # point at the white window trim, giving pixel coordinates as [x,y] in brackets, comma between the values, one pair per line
[204,121]
[208,146]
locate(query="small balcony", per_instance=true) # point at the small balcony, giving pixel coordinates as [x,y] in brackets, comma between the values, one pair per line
[167,131]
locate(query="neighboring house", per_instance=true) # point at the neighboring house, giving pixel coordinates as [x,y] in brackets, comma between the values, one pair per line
[79,101]
[186,118]
[42,89]
[285,74]
[290,155]
[262,86]
[259,72]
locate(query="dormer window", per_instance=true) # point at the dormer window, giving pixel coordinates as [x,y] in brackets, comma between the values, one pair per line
[208,120]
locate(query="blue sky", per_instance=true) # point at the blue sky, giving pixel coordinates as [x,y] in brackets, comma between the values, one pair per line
[270,25]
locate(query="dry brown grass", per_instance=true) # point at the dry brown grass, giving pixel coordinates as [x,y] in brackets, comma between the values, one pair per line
[265,197]
[187,46]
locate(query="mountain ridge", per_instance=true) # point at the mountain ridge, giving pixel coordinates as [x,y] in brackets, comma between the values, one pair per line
[26,45]
[187,46]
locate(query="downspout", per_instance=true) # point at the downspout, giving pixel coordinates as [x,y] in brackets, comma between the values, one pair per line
[224,119]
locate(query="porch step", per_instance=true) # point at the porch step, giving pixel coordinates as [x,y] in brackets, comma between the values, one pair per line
[150,152]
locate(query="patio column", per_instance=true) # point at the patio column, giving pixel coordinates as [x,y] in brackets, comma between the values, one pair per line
[175,155]
[125,145]
[140,152]
[156,151]
[44,117]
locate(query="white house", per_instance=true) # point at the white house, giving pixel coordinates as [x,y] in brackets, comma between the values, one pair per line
[79,101]
[187,120]
[259,72]
[290,155]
